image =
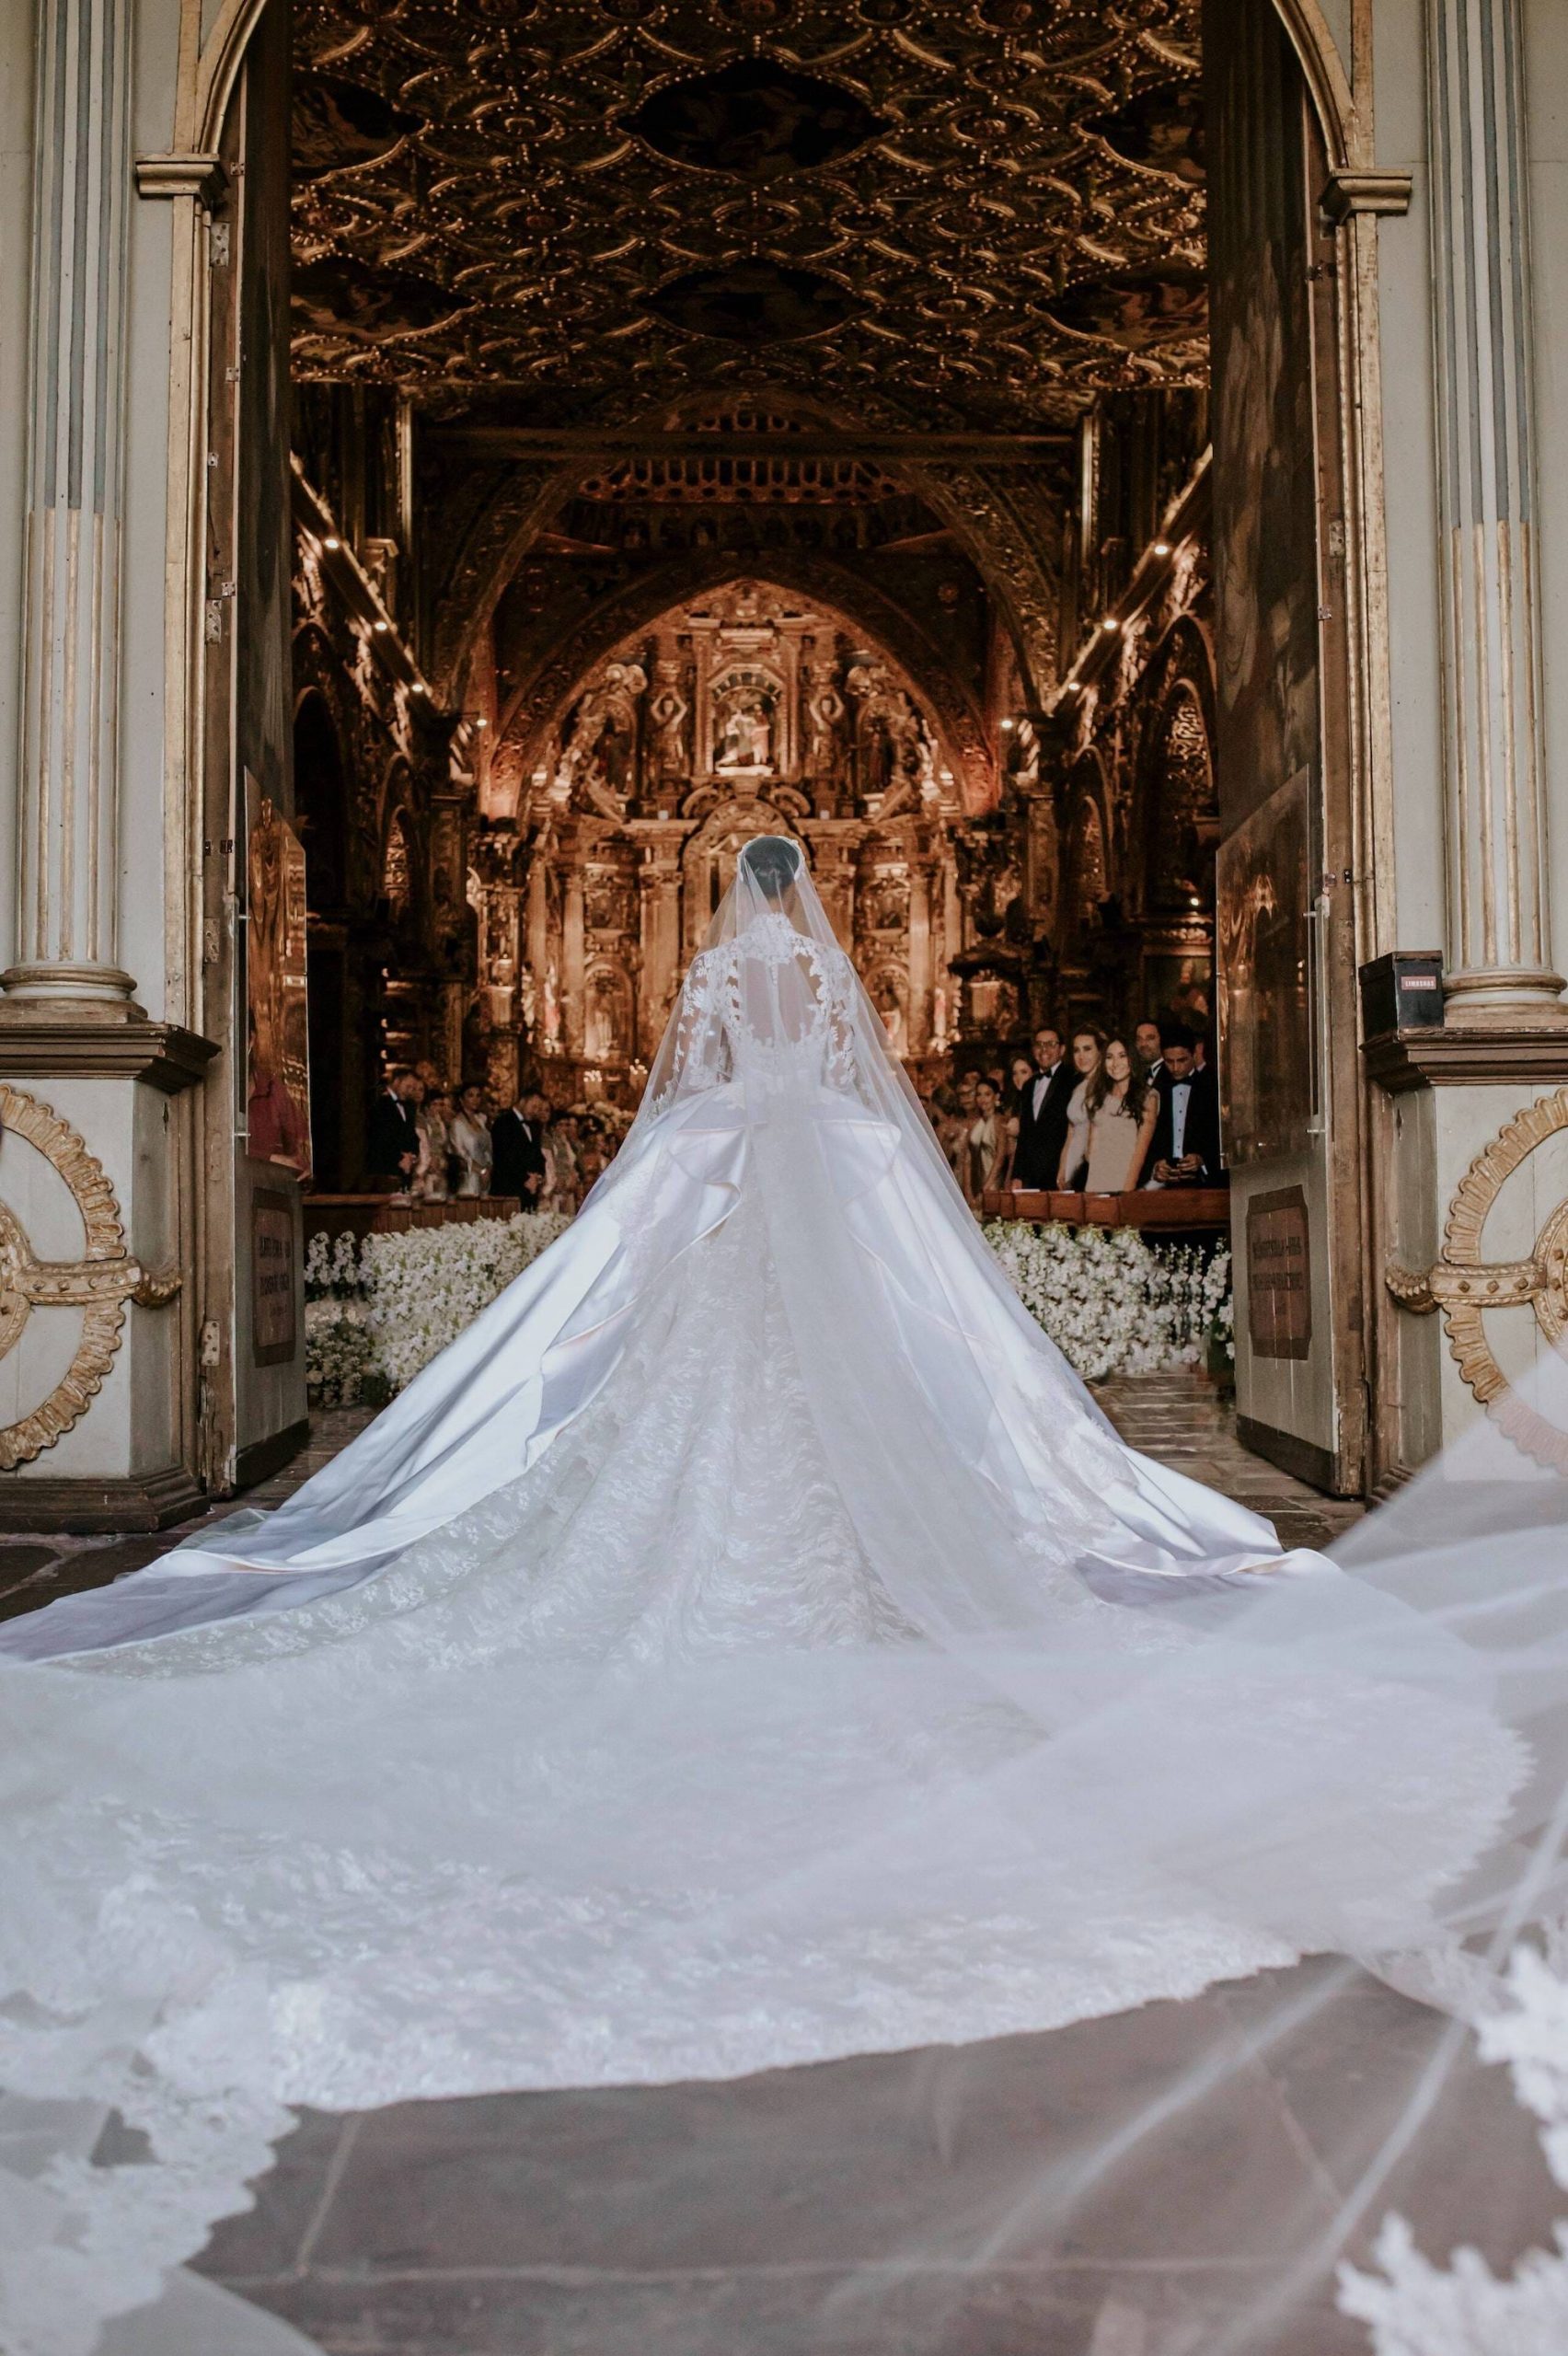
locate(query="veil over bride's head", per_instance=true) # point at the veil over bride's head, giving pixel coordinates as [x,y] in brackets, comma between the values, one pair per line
[772,865]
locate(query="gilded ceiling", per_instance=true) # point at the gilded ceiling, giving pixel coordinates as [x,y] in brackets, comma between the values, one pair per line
[963,217]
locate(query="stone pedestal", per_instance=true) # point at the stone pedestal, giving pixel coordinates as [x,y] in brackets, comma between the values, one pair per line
[97,1344]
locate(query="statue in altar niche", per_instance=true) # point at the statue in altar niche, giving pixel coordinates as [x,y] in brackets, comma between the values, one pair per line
[748,735]
[598,757]
[825,712]
[668,713]
[601,1042]
[745,705]
[888,992]
[898,762]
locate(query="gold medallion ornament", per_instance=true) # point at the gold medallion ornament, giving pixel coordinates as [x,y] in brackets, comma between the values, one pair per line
[1464,1285]
[99,1284]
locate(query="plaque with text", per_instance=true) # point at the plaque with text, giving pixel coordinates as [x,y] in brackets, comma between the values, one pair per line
[1279,1275]
[274,1286]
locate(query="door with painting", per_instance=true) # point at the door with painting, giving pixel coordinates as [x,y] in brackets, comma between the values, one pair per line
[1286,568]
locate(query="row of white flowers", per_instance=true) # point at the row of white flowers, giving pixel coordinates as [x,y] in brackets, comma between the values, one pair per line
[377,1312]
[1113,1303]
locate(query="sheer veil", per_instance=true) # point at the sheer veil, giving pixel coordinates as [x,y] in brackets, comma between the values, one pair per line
[1113,1746]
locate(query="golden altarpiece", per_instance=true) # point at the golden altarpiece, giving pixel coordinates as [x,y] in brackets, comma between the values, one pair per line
[746,711]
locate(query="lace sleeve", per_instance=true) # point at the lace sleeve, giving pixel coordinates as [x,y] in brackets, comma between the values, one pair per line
[700,1055]
[840,1069]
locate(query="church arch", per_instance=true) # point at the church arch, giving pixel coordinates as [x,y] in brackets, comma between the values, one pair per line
[536,704]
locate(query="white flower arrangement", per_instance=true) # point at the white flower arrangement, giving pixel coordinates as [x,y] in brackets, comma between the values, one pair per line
[1114,1303]
[377,1312]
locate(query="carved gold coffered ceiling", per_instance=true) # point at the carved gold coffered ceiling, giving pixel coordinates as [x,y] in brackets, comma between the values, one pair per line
[911,213]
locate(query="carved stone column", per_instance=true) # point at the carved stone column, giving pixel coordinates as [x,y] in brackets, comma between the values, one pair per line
[68,821]
[1499,948]
[659,884]
[921,979]
[574,961]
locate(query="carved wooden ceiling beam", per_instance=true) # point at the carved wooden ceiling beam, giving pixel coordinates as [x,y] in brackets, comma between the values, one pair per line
[566,446]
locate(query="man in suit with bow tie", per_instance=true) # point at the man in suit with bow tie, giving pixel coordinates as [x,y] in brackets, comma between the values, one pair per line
[1184,1150]
[1043,1114]
[392,1148]
[517,1137]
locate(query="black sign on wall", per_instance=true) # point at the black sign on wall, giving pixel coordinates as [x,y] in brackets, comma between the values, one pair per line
[1279,1275]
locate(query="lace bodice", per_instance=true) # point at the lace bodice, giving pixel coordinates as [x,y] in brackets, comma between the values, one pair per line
[774,1006]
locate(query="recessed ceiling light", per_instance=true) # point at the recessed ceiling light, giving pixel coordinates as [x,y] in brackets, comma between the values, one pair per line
[1163,548]
[482,721]
[381,625]
[1007,723]
[1110,623]
[330,542]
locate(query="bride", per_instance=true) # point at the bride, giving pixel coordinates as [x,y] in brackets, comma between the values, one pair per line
[747,1645]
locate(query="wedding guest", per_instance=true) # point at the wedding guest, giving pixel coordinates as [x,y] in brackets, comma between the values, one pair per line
[949,1125]
[1042,1115]
[563,1184]
[517,1146]
[392,1148]
[1122,1109]
[968,1081]
[1020,1083]
[1184,1150]
[986,1147]
[471,1142]
[432,1176]
[593,1157]
[1088,1047]
[1146,1042]
[430,1078]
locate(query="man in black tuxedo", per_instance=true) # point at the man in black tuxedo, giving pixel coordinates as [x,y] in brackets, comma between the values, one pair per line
[1042,1115]
[517,1137]
[392,1148]
[1184,1150]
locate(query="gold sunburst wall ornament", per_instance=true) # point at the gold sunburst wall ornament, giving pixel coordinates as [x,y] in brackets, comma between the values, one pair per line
[1464,1285]
[99,1284]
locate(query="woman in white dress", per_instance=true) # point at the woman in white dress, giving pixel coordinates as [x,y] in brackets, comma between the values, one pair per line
[985,1144]
[432,1180]
[748,1643]
[471,1142]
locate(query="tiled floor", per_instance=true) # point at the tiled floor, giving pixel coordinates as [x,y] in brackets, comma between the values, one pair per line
[902,2205]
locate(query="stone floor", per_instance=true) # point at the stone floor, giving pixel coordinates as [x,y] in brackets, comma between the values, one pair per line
[898,2205]
[34,1569]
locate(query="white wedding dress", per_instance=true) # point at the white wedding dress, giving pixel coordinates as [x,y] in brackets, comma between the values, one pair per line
[747,1645]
